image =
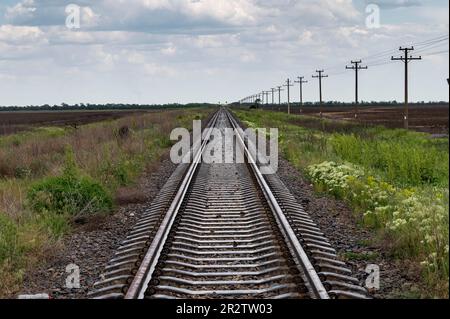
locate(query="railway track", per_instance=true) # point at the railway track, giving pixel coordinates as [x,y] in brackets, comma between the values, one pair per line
[226,231]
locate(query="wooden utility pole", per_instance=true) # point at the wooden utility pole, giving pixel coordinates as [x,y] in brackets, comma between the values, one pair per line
[267,96]
[301,82]
[320,77]
[280,88]
[273,95]
[288,85]
[356,66]
[406,59]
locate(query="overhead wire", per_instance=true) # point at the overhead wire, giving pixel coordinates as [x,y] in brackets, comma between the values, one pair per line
[383,58]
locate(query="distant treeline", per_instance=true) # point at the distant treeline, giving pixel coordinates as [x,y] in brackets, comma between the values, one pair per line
[101,107]
[118,107]
[362,103]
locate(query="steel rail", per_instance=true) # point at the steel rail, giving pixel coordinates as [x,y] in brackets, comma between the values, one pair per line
[146,269]
[314,282]
[144,274]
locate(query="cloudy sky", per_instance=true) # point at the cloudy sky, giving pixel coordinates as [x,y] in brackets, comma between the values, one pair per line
[162,51]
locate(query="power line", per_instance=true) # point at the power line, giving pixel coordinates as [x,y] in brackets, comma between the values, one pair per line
[430,47]
[437,53]
[379,58]
[442,37]
[381,63]
[423,43]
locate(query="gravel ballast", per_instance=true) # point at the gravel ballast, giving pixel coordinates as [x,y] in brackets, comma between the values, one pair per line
[92,243]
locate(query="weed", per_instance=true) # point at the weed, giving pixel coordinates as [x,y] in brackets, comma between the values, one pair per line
[54,224]
[9,247]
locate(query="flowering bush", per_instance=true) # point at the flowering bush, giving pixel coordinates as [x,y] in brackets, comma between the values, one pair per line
[418,221]
[421,222]
[332,177]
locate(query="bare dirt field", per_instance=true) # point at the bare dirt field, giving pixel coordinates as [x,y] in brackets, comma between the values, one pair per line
[431,119]
[12,122]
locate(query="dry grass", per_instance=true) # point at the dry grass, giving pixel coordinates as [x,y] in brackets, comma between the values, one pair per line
[114,153]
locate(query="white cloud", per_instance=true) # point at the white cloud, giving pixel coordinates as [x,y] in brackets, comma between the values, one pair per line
[326,12]
[169,51]
[21,35]
[397,3]
[22,10]
[263,41]
[155,69]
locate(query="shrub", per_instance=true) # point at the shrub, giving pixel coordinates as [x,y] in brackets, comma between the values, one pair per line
[70,193]
[332,177]
[421,224]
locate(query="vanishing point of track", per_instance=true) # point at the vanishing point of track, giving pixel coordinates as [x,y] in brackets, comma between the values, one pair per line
[225,231]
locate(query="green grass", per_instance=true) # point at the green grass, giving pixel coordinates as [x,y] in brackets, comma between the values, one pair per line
[22,137]
[8,239]
[403,158]
[395,180]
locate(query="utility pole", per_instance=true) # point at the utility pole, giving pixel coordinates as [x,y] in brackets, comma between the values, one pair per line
[320,77]
[406,59]
[301,82]
[288,85]
[266,93]
[280,88]
[356,66]
[273,95]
